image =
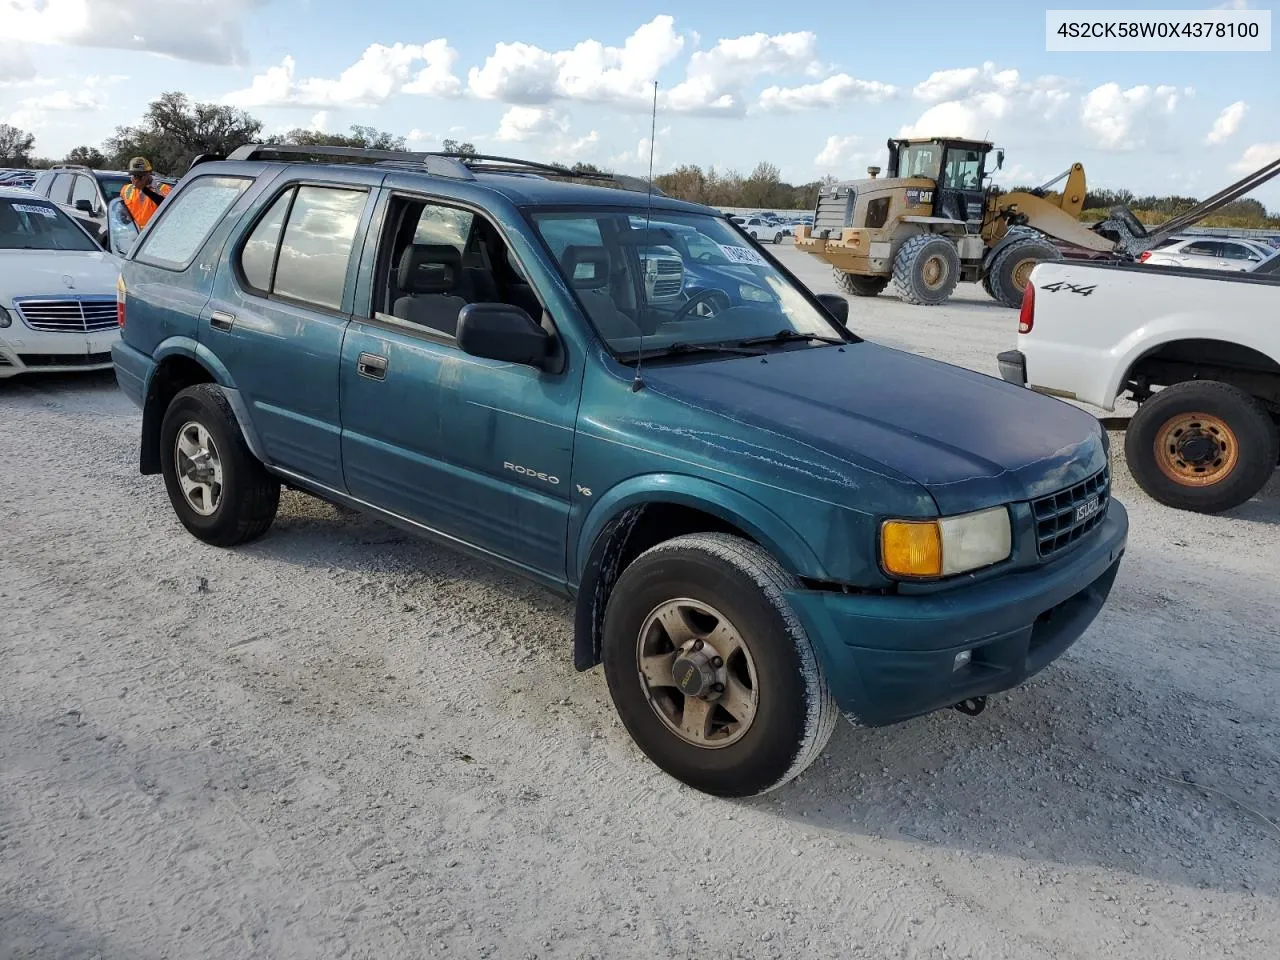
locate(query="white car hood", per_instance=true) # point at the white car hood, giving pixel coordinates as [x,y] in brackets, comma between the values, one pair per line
[45,273]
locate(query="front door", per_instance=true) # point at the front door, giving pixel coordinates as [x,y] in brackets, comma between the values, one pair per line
[477,450]
[279,314]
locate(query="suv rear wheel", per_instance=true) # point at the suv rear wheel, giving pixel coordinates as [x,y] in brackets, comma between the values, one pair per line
[709,668]
[220,491]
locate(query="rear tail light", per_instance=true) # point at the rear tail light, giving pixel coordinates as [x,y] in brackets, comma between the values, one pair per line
[120,295]
[1027,315]
[1144,256]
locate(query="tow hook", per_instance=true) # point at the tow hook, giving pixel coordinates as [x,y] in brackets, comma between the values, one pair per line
[971,707]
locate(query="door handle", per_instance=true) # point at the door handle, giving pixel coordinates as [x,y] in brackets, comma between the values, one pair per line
[372,366]
[220,320]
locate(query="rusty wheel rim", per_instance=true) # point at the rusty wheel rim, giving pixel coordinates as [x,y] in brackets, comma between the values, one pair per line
[697,673]
[1022,273]
[1196,449]
[934,272]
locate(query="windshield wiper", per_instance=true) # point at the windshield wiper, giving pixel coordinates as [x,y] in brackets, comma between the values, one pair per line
[683,346]
[782,336]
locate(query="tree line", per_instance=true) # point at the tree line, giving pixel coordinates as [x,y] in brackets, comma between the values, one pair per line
[174,130]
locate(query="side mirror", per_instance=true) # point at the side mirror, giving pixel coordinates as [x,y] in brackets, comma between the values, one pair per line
[835,305]
[999,159]
[84,206]
[499,331]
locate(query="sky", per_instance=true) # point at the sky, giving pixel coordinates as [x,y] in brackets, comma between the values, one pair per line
[814,88]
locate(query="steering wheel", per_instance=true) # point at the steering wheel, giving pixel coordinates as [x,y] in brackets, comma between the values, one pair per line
[706,256]
[716,300]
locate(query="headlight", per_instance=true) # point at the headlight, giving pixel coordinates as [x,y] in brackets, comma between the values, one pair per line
[947,546]
[748,292]
[5,319]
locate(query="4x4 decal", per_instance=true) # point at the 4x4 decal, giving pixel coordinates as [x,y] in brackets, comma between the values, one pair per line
[1083,289]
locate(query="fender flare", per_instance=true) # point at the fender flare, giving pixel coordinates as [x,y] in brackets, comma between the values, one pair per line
[594,561]
[153,412]
[1135,349]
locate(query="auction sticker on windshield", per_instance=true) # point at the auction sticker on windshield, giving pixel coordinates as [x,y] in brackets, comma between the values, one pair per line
[33,208]
[743,255]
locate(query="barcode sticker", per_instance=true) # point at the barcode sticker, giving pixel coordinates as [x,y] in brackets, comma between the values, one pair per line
[35,208]
[743,255]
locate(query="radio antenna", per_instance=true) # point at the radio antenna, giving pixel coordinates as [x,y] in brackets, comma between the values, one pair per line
[638,382]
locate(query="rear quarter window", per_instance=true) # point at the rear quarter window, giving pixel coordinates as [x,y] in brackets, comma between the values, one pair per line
[175,238]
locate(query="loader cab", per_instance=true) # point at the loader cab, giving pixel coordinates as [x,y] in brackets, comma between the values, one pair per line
[958,167]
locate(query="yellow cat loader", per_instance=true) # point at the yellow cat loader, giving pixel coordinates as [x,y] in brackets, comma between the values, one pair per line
[934,221]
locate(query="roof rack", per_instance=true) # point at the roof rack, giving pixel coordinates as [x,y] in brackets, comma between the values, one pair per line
[70,166]
[455,166]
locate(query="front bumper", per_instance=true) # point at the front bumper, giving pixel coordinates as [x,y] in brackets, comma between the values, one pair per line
[1013,367]
[28,351]
[890,658]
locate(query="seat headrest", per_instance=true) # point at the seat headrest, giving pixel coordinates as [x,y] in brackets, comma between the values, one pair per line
[586,267]
[429,268]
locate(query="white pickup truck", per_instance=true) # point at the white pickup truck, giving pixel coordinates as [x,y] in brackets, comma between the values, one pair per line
[1198,350]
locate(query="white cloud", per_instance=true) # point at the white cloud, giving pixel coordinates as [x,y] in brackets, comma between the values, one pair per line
[16,67]
[206,31]
[984,101]
[834,91]
[840,153]
[527,123]
[320,121]
[380,73]
[1228,123]
[520,73]
[33,112]
[1125,120]
[716,79]
[1255,157]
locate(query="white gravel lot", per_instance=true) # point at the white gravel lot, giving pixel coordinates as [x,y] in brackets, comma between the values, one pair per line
[343,742]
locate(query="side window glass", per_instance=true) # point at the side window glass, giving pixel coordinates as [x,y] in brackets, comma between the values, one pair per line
[85,189]
[1234,251]
[259,253]
[175,238]
[1202,249]
[61,188]
[444,225]
[312,265]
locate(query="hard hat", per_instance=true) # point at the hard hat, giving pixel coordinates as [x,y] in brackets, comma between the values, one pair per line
[139,165]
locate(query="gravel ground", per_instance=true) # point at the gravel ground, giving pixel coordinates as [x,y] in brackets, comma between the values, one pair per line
[341,741]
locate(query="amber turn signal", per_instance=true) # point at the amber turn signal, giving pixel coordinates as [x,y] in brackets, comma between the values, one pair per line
[911,548]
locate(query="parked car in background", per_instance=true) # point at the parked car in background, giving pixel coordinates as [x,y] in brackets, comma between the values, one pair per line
[1208,253]
[57,290]
[85,193]
[711,279]
[761,229]
[11,177]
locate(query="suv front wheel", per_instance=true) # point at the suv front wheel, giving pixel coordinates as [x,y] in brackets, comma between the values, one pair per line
[221,492]
[709,668]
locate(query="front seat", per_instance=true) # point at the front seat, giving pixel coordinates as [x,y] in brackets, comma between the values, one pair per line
[429,275]
[587,270]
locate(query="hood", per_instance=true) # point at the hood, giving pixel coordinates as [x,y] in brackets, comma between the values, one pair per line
[35,273]
[972,441]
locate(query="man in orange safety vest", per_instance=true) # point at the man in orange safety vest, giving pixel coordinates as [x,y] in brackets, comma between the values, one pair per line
[139,196]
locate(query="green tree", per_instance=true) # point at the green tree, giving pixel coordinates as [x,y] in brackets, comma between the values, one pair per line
[175,130]
[86,157]
[456,146]
[16,145]
[368,138]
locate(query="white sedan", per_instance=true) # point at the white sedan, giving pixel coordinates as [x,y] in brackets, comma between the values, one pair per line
[1209,253]
[57,290]
[762,230]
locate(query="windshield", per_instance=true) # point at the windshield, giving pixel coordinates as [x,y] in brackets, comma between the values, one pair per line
[921,160]
[37,224]
[685,278]
[962,169]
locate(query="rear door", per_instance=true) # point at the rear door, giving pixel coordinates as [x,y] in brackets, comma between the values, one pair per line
[279,313]
[1206,254]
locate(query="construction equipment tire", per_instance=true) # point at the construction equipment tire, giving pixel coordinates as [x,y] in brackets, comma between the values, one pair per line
[926,270]
[1011,267]
[859,286]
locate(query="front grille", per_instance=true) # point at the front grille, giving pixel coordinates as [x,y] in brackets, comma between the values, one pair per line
[64,359]
[835,209]
[70,315]
[1058,519]
[664,278]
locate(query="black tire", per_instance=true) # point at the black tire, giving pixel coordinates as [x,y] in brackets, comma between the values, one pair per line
[249,495]
[859,286]
[795,713]
[916,262]
[1009,268]
[1256,443]
[777,238]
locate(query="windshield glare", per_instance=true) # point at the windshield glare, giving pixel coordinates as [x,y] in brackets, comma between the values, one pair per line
[38,225]
[682,278]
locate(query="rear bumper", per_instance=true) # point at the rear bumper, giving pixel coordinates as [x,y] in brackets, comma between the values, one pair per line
[1013,367]
[133,371]
[890,658]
